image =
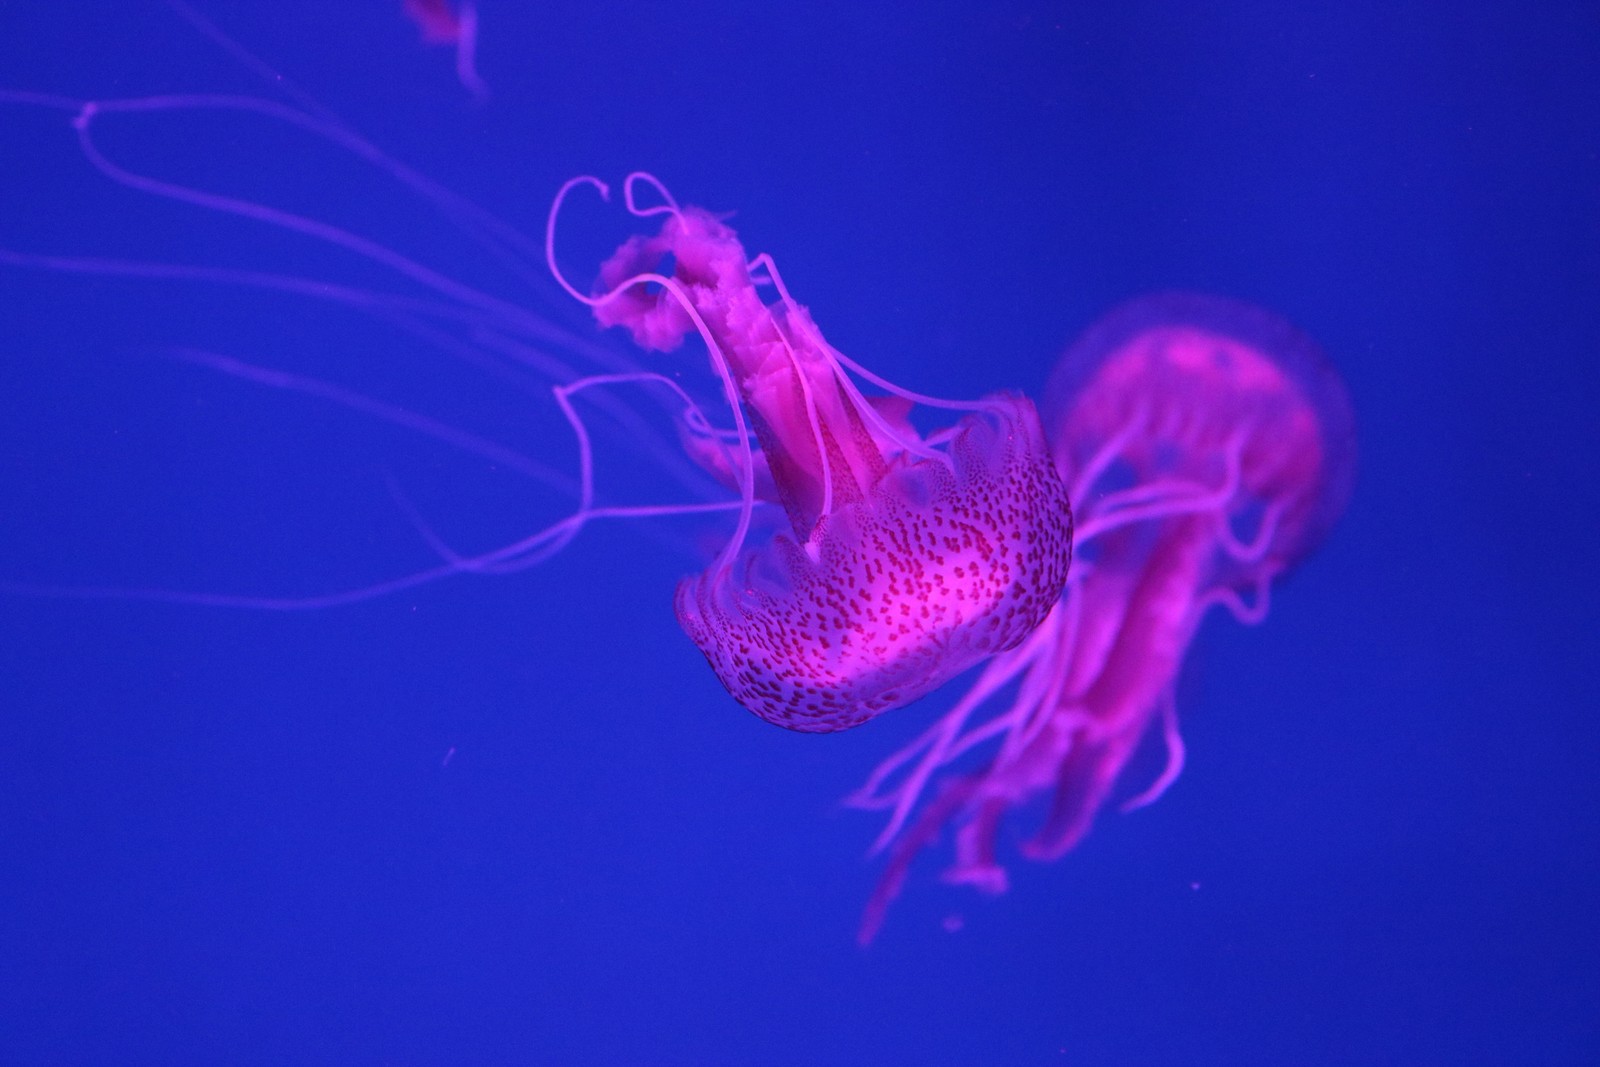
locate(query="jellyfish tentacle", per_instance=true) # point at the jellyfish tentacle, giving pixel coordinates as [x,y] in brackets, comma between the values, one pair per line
[1042,692]
[719,358]
[1163,498]
[1255,549]
[1249,614]
[268,74]
[556,204]
[497,334]
[524,552]
[923,831]
[1106,454]
[293,222]
[1172,737]
[484,317]
[425,530]
[320,389]
[668,205]
[906,441]
[766,261]
[814,420]
[932,749]
[692,413]
[467,53]
[504,243]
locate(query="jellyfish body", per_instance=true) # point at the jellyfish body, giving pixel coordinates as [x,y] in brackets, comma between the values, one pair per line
[907,559]
[456,26]
[1208,447]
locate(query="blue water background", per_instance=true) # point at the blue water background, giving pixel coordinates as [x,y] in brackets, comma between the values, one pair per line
[234,837]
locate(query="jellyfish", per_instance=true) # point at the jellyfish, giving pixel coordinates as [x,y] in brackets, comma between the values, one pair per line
[1208,447]
[908,556]
[454,26]
[905,558]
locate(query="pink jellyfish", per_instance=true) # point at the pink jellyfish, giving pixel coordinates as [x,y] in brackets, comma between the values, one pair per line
[906,559]
[1209,447]
[456,26]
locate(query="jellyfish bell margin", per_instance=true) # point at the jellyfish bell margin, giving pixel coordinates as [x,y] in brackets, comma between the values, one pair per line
[907,558]
[1209,447]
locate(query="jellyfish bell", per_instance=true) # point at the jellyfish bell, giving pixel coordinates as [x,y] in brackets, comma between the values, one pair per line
[892,595]
[907,558]
[1208,447]
[1188,381]
[1166,395]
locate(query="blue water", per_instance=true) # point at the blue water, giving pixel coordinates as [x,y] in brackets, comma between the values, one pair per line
[515,820]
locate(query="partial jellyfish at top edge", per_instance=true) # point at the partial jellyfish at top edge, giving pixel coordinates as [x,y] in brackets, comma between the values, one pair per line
[906,559]
[453,26]
[1208,446]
